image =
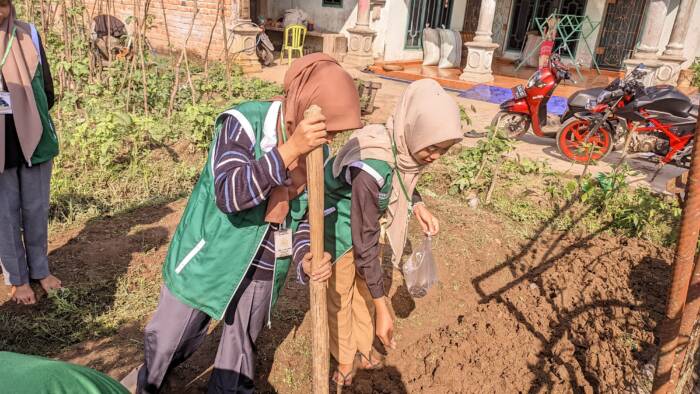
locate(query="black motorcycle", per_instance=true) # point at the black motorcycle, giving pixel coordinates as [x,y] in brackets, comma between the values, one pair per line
[598,121]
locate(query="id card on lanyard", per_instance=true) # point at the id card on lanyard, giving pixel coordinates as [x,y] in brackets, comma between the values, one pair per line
[5,98]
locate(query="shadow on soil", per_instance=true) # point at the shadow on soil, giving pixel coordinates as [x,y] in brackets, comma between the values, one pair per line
[648,281]
[90,263]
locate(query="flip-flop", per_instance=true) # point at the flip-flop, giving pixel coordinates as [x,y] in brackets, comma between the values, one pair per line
[346,379]
[372,366]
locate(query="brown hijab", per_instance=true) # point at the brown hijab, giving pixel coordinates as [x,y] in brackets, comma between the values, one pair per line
[425,115]
[313,79]
[18,72]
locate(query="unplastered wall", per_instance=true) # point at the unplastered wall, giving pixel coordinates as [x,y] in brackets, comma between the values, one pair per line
[332,19]
[178,14]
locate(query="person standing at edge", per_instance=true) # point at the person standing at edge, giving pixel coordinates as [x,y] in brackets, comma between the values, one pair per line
[376,173]
[28,143]
[230,253]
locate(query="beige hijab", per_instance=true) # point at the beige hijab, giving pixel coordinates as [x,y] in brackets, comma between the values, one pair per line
[18,72]
[425,115]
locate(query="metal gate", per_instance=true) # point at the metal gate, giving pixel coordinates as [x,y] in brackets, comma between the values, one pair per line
[618,36]
[525,12]
[426,13]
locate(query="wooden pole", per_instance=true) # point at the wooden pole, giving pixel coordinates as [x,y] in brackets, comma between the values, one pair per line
[319,312]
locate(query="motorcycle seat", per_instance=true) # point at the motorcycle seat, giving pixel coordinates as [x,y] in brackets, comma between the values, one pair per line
[693,111]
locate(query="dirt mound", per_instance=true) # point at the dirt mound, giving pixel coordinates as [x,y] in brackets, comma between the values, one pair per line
[575,317]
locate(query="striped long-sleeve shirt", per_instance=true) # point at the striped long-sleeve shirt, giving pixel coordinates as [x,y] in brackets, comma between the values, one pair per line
[241,182]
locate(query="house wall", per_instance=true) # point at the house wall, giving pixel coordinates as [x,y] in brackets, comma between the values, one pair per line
[692,40]
[332,19]
[395,34]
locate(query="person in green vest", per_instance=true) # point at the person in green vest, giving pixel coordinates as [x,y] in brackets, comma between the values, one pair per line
[28,143]
[374,175]
[24,374]
[229,257]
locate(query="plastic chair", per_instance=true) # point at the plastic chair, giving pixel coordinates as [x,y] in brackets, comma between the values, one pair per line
[294,37]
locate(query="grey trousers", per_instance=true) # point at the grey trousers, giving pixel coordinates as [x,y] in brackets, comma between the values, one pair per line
[177,330]
[24,223]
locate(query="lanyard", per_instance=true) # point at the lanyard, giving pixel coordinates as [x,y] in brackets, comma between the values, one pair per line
[396,168]
[9,46]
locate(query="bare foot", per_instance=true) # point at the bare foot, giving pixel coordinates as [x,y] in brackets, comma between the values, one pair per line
[50,283]
[23,294]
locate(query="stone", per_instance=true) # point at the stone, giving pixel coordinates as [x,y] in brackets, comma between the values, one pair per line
[478,63]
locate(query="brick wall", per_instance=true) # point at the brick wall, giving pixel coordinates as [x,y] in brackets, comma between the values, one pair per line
[178,15]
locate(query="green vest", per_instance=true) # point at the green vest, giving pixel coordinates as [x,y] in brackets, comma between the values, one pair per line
[23,374]
[47,148]
[338,204]
[211,251]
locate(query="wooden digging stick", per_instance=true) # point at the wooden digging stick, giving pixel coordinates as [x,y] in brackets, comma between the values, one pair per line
[319,312]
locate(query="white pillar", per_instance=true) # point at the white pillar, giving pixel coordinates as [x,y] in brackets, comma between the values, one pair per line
[486,14]
[480,51]
[647,52]
[680,29]
[361,36]
[653,27]
[244,38]
[670,69]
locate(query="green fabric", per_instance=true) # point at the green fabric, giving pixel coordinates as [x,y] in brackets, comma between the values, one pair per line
[212,250]
[48,144]
[23,374]
[338,195]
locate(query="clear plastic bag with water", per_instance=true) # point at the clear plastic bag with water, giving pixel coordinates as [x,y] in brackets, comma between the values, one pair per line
[420,271]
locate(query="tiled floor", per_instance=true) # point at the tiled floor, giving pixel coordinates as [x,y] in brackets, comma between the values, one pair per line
[505,76]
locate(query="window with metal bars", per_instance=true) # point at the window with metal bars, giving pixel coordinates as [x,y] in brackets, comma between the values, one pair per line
[333,3]
[426,13]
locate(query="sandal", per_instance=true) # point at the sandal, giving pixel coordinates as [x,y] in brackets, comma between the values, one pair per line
[368,361]
[346,379]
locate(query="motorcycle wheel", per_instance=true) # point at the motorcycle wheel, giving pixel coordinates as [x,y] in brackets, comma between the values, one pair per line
[515,125]
[571,138]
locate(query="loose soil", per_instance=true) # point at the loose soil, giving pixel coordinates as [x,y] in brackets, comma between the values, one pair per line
[559,313]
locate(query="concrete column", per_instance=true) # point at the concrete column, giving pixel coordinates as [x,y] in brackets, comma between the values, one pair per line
[486,14]
[680,29]
[648,48]
[244,37]
[670,69]
[480,51]
[653,27]
[361,36]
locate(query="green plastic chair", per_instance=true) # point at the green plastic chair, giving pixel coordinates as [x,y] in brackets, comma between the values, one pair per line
[294,37]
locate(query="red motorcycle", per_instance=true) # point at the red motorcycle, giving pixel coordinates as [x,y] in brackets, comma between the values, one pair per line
[661,118]
[529,103]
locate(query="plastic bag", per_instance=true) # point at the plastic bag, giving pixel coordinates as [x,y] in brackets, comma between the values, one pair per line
[420,271]
[450,49]
[431,47]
